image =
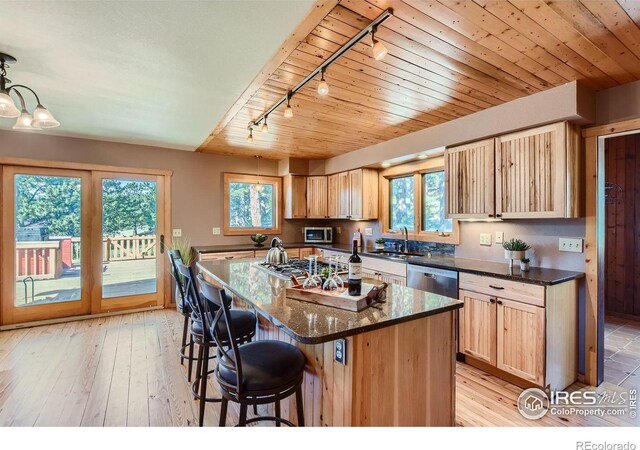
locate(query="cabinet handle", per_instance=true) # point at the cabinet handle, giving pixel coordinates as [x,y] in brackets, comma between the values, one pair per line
[228,257]
[499,288]
[492,300]
[498,215]
[499,302]
[490,215]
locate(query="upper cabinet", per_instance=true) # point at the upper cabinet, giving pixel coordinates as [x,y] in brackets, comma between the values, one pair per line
[295,196]
[345,195]
[469,180]
[529,174]
[317,207]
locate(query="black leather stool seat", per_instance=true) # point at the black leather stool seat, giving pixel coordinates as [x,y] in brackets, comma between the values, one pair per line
[266,365]
[244,323]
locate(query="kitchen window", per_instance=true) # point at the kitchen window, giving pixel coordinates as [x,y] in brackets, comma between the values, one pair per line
[251,204]
[414,197]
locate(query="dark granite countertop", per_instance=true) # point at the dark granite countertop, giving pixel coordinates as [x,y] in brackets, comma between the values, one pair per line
[245,247]
[309,323]
[536,275]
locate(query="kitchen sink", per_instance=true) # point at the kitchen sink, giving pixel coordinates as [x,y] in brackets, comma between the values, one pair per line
[400,255]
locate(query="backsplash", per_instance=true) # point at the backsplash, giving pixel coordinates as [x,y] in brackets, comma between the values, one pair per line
[422,247]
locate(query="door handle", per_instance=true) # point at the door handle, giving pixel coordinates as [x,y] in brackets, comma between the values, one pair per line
[161,243]
[429,275]
[499,288]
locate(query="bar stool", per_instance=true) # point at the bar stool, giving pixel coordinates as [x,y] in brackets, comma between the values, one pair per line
[183,308]
[245,321]
[255,373]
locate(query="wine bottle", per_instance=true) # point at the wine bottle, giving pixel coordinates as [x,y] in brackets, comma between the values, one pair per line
[355,271]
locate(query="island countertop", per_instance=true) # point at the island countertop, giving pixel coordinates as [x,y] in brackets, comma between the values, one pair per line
[309,323]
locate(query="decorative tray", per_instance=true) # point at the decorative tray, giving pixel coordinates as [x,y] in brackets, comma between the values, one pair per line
[338,298]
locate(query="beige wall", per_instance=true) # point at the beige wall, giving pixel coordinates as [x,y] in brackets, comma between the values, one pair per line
[618,103]
[197,178]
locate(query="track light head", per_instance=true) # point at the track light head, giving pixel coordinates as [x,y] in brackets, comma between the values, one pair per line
[250,137]
[288,112]
[265,127]
[378,50]
[323,87]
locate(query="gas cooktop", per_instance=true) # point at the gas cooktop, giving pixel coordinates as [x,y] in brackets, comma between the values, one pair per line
[295,267]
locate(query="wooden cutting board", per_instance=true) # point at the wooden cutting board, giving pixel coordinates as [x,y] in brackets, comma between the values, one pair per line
[336,299]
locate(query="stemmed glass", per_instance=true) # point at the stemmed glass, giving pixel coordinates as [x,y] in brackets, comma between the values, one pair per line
[314,279]
[333,280]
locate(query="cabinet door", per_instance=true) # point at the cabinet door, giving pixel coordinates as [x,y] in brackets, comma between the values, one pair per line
[392,279]
[521,340]
[344,190]
[307,251]
[355,195]
[469,180]
[295,196]
[531,173]
[226,255]
[370,273]
[317,197]
[477,327]
[333,196]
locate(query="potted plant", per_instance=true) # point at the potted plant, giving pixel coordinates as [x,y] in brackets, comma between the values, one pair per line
[379,244]
[515,249]
[186,253]
[259,239]
[524,264]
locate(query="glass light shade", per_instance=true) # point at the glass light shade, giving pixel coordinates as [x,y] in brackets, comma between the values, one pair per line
[288,112]
[265,128]
[42,118]
[258,187]
[323,88]
[379,50]
[24,122]
[8,108]
[250,139]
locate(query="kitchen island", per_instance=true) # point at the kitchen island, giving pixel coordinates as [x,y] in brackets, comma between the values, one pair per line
[400,355]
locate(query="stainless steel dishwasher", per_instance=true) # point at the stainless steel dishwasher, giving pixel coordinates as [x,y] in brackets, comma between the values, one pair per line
[430,279]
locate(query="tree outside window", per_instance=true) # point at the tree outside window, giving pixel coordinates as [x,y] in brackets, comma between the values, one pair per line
[433,206]
[402,204]
[251,204]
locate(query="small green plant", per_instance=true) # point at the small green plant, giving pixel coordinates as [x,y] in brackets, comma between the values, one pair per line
[525,260]
[324,273]
[516,245]
[379,241]
[183,245]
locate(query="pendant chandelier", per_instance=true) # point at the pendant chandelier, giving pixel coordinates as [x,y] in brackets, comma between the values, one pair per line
[41,117]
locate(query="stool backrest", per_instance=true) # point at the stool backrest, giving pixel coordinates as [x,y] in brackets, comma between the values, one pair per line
[228,354]
[174,255]
[190,289]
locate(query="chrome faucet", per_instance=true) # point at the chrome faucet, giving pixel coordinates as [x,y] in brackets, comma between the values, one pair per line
[406,239]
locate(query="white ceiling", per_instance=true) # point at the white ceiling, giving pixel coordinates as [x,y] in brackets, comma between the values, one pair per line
[159,73]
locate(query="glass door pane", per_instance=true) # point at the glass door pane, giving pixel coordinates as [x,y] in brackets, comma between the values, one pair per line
[48,239]
[129,237]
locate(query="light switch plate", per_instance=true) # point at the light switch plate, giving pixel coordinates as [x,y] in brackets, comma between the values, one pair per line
[177,232]
[499,237]
[341,351]
[215,231]
[368,231]
[571,245]
[485,239]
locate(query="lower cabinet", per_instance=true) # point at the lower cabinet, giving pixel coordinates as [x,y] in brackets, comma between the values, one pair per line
[225,255]
[388,278]
[532,338]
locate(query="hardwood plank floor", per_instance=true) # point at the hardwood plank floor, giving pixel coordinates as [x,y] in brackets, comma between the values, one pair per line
[124,371]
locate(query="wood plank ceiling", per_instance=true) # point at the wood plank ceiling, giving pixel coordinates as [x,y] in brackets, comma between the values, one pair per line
[447,59]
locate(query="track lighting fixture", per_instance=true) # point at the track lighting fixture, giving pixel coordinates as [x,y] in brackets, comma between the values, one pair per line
[41,118]
[378,49]
[323,87]
[288,111]
[250,137]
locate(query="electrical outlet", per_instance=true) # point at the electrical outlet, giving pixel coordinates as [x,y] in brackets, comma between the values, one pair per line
[499,237]
[177,232]
[570,245]
[215,231]
[485,239]
[338,230]
[368,231]
[340,347]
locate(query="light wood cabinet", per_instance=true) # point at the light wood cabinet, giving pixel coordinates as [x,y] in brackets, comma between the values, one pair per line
[535,171]
[477,327]
[295,196]
[357,195]
[225,255]
[520,340]
[333,196]
[317,207]
[469,180]
[384,277]
[530,337]
[307,251]
[538,174]
[344,196]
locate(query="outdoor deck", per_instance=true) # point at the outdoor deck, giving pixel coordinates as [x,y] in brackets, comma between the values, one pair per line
[120,278]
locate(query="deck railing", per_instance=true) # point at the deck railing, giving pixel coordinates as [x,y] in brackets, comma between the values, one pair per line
[120,248]
[39,260]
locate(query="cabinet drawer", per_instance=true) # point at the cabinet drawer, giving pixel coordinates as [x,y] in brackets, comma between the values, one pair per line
[226,255]
[383,265]
[514,290]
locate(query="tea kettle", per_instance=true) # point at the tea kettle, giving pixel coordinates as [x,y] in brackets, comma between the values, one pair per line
[276,254]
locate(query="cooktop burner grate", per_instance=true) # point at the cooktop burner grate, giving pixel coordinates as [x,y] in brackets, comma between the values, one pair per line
[295,267]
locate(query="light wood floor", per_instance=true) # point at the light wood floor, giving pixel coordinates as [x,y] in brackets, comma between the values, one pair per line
[124,371]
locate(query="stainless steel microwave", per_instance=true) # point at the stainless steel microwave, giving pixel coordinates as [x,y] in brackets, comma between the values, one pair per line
[320,235]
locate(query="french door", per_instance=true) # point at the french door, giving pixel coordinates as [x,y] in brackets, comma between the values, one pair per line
[79,242]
